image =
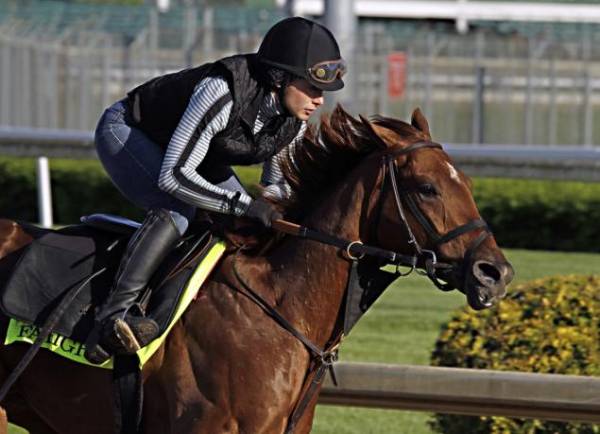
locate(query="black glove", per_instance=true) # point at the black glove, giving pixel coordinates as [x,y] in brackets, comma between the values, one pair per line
[262,211]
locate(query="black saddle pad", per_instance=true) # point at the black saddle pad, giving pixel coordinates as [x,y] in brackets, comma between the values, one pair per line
[59,261]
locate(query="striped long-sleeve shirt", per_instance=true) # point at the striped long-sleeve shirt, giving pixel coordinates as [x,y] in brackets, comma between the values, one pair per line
[197,190]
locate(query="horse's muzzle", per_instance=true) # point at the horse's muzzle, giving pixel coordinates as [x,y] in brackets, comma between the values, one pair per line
[487,283]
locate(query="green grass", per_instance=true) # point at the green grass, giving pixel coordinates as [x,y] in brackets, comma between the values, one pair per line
[402,327]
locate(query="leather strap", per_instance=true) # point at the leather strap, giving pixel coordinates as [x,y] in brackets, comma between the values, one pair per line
[127,393]
[307,394]
[322,360]
[266,307]
[355,248]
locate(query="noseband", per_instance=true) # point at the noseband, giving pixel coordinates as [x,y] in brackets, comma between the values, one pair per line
[424,256]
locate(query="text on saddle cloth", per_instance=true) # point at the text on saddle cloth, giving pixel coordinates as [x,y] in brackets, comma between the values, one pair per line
[78,263]
[21,331]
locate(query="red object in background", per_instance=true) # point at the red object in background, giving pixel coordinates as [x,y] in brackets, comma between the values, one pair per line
[396,74]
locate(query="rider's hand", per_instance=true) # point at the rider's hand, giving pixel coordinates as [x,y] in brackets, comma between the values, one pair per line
[263,212]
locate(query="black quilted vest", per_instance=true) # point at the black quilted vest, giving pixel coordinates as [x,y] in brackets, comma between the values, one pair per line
[163,100]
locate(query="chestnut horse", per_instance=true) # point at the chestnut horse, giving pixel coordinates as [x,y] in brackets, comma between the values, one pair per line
[227,367]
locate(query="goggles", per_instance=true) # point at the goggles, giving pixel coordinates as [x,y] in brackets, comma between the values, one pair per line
[327,71]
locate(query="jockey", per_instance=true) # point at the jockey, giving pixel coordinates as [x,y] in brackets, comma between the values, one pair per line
[169,147]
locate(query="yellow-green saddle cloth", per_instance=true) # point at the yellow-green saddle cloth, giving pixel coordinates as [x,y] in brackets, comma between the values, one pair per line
[21,331]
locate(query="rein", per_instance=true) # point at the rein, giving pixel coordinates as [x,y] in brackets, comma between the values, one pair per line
[354,249]
[323,360]
[55,315]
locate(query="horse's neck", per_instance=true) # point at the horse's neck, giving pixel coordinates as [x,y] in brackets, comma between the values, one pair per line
[309,277]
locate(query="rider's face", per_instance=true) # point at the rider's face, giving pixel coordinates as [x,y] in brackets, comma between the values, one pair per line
[301,98]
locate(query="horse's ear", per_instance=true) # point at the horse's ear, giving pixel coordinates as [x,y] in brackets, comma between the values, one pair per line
[419,122]
[372,133]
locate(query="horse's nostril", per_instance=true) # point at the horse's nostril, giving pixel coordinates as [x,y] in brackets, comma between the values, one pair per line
[487,273]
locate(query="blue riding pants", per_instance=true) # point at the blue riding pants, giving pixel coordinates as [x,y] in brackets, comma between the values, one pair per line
[133,162]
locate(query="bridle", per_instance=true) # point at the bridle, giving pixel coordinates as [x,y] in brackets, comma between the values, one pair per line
[322,360]
[356,250]
[424,256]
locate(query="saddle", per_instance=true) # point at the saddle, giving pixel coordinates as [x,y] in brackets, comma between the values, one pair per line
[60,260]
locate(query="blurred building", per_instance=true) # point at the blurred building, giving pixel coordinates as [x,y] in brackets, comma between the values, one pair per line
[481,71]
[463,12]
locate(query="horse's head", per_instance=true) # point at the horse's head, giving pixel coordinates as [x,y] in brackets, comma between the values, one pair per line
[407,195]
[423,205]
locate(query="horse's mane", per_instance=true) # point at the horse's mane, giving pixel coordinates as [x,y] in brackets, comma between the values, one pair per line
[324,158]
[328,153]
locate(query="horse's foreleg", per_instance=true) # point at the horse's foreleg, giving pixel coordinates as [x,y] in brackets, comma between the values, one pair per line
[3,422]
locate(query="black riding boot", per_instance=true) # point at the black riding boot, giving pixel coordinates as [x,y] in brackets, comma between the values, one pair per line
[116,331]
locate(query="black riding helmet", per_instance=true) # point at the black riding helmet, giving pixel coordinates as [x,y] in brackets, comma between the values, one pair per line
[306,49]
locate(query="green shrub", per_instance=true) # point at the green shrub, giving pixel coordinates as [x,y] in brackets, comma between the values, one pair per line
[79,187]
[250,177]
[547,215]
[18,187]
[549,325]
[84,188]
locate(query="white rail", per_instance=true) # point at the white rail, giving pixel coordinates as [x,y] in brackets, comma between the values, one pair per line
[35,142]
[465,391]
[580,163]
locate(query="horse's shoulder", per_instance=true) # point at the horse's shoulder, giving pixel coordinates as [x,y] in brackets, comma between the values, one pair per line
[13,236]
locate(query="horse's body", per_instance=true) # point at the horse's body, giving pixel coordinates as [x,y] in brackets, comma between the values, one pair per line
[226,366]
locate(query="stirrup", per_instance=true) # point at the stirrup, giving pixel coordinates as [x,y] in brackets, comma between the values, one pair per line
[120,336]
[125,336]
[133,333]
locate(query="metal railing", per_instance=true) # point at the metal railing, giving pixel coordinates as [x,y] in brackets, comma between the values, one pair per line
[465,391]
[579,163]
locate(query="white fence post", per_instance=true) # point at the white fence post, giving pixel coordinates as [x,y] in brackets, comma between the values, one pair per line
[44,192]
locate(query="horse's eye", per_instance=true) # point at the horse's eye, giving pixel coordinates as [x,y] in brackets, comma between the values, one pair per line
[427,190]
